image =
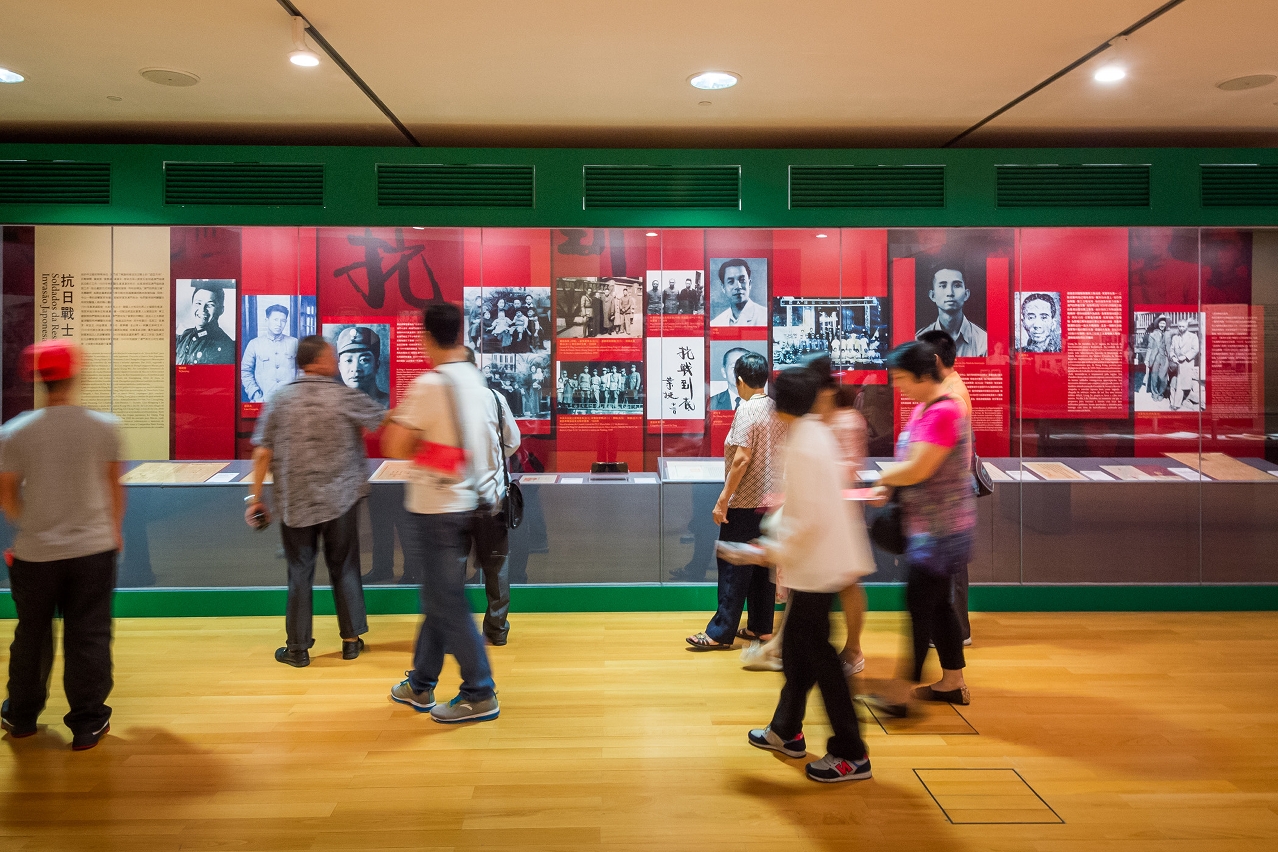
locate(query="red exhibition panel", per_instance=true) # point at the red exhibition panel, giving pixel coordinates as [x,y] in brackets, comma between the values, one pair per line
[1070,313]
[204,394]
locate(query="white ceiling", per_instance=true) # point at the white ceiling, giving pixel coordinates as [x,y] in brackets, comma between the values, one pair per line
[600,72]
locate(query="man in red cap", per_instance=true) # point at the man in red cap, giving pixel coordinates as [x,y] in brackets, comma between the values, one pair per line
[60,487]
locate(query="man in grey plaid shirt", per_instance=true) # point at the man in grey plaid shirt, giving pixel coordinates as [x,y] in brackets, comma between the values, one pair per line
[311,437]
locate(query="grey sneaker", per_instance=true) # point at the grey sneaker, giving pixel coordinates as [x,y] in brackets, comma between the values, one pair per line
[462,710]
[403,693]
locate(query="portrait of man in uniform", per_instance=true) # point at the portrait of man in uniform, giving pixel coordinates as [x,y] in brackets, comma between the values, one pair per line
[205,339]
[270,359]
[362,356]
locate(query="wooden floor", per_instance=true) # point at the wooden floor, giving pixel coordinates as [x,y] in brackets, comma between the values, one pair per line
[1093,732]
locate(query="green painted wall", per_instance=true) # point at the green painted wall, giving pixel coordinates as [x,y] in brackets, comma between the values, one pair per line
[350,187]
[154,603]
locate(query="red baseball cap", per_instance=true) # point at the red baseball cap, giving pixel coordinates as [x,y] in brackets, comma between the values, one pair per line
[52,360]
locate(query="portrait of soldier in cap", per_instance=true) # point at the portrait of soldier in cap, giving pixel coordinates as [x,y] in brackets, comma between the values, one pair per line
[359,360]
[270,359]
[205,341]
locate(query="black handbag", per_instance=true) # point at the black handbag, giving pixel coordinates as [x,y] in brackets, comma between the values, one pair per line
[513,503]
[887,530]
[981,482]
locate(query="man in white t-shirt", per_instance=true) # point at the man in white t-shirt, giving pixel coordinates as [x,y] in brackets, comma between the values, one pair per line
[448,425]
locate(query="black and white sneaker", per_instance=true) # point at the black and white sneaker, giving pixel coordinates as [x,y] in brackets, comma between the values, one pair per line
[87,740]
[831,769]
[765,738]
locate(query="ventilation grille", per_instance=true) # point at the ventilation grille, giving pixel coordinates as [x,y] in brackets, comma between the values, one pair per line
[1240,185]
[419,185]
[665,187]
[1073,186]
[867,186]
[29,182]
[245,184]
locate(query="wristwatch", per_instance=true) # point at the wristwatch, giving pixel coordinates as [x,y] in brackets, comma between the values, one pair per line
[251,499]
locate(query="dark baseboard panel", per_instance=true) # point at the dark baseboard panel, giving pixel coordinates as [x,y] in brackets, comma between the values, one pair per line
[161,603]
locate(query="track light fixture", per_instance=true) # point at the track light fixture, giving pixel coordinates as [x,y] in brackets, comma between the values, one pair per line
[302,55]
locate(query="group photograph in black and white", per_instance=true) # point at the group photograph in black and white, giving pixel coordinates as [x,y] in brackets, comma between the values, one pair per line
[524,380]
[508,319]
[599,307]
[599,387]
[204,316]
[1167,355]
[675,292]
[363,357]
[852,331]
[738,291]
[1038,322]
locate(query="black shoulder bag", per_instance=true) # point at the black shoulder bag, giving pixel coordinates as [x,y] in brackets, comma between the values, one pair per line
[513,503]
[887,530]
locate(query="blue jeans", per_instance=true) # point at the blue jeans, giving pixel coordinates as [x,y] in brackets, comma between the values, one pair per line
[437,546]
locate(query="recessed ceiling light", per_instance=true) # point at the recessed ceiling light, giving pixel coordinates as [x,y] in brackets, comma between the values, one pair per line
[419,227]
[651,234]
[714,80]
[114,98]
[1252,81]
[169,77]
[302,55]
[822,236]
[703,103]
[7,76]
[1109,74]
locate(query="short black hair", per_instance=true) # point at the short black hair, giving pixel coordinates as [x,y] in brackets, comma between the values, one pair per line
[277,309]
[443,322]
[796,389]
[752,368]
[736,261]
[309,349]
[1038,297]
[916,358]
[944,263]
[943,344]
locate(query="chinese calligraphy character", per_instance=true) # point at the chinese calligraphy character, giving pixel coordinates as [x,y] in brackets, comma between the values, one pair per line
[376,277]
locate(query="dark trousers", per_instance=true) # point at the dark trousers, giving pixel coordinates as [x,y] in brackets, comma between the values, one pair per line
[492,544]
[742,585]
[933,618]
[438,546]
[385,514]
[340,538]
[960,603]
[80,591]
[808,659]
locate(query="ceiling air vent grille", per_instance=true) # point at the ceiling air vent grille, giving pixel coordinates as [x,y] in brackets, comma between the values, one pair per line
[245,184]
[1124,185]
[662,187]
[867,186]
[422,185]
[54,182]
[1239,185]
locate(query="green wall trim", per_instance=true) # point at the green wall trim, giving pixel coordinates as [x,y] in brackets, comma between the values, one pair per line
[351,199]
[172,603]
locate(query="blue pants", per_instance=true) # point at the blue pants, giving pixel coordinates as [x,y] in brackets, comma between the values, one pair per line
[438,546]
[740,585]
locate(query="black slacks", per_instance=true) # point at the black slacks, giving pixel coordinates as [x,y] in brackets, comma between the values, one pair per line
[340,538]
[808,659]
[80,591]
[742,585]
[491,546]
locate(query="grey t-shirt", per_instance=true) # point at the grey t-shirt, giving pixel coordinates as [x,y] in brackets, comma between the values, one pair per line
[61,454]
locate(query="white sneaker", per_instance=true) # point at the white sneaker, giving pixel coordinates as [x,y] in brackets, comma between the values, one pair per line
[967,642]
[756,659]
[853,668]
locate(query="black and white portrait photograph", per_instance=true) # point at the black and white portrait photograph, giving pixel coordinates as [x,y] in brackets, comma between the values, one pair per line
[738,291]
[1038,322]
[205,320]
[524,380]
[268,357]
[724,355]
[852,331]
[676,292]
[508,320]
[945,300]
[599,387]
[599,307]
[363,357]
[1167,350]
